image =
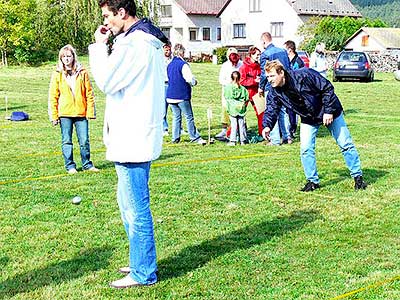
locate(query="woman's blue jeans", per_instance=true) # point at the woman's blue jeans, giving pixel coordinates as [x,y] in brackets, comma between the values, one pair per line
[184,107]
[82,132]
[134,204]
[341,134]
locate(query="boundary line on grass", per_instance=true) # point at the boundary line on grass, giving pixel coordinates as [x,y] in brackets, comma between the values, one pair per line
[371,286]
[156,165]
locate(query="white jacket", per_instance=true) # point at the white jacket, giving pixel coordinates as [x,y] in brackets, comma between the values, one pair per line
[132,77]
[226,71]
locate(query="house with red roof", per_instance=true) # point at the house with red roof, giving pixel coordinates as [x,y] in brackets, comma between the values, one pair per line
[203,25]
[192,23]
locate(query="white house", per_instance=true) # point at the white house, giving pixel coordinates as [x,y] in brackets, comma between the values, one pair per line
[243,21]
[192,23]
[379,40]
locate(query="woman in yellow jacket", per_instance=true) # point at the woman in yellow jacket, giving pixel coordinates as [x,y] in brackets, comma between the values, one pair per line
[71,103]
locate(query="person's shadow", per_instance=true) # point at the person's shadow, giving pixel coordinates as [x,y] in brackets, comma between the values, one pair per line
[196,256]
[86,262]
[369,175]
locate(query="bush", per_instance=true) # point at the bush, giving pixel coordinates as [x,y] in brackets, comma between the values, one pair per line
[221,54]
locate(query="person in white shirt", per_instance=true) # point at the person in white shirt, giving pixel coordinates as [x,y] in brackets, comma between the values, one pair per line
[132,77]
[233,63]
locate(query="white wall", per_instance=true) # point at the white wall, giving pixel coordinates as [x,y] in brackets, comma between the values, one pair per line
[258,22]
[179,26]
[356,44]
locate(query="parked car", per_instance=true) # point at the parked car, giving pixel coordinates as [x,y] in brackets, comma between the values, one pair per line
[304,57]
[353,65]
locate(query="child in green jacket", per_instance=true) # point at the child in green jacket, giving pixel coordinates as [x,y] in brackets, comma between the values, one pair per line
[236,97]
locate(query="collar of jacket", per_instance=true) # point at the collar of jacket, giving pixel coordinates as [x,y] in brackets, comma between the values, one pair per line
[146,26]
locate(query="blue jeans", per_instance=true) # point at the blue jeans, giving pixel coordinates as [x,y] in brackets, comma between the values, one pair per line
[165,122]
[134,204]
[281,128]
[238,126]
[341,134]
[186,108]
[82,132]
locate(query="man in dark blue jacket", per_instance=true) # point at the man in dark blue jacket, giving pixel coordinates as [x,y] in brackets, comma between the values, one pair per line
[312,97]
[271,52]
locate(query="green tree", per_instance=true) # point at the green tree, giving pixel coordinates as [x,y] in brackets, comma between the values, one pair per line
[17,35]
[334,32]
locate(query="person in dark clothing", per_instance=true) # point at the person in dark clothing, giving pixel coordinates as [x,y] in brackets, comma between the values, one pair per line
[312,97]
[296,63]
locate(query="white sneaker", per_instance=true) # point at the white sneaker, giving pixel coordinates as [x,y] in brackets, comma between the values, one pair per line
[93,169]
[200,141]
[231,144]
[221,134]
[124,283]
[72,171]
[165,133]
[124,270]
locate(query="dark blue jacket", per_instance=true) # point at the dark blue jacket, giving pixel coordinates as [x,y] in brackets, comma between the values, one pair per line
[307,93]
[272,53]
[296,62]
[178,88]
[145,25]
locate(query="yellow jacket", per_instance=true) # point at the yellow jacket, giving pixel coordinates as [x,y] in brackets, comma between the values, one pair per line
[62,102]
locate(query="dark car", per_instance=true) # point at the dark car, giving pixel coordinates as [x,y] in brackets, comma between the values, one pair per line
[353,65]
[304,57]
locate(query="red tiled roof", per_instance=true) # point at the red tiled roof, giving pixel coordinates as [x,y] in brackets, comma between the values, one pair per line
[201,7]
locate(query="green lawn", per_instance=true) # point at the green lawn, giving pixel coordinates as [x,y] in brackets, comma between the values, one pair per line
[230,222]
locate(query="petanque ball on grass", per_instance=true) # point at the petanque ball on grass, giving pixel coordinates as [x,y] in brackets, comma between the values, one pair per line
[397,75]
[76,200]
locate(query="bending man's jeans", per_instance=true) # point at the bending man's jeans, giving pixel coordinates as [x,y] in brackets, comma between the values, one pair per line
[341,134]
[134,203]
[82,132]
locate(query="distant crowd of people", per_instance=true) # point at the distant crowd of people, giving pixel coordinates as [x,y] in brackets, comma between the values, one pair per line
[143,75]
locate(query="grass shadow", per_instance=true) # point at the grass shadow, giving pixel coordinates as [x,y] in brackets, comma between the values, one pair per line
[4,261]
[369,175]
[86,262]
[10,109]
[196,256]
[351,111]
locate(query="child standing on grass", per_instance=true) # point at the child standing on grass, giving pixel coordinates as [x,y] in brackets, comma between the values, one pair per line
[71,104]
[236,97]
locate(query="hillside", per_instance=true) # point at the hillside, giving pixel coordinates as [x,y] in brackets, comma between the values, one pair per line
[386,10]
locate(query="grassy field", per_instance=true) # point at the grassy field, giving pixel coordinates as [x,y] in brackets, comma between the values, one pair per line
[230,222]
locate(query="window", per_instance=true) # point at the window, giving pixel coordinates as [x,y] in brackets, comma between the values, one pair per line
[277,29]
[166,11]
[193,33]
[206,33]
[239,31]
[218,33]
[166,31]
[365,40]
[254,6]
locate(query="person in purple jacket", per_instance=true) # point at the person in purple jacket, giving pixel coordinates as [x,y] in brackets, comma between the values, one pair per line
[312,97]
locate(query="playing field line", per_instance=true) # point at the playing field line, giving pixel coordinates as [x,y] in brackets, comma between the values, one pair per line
[372,286]
[155,165]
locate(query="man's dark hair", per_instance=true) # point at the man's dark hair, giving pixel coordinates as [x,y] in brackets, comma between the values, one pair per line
[290,45]
[115,5]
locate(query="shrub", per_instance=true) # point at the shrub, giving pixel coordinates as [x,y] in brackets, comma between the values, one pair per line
[221,54]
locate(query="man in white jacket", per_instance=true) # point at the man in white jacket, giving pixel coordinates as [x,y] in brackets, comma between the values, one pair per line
[132,77]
